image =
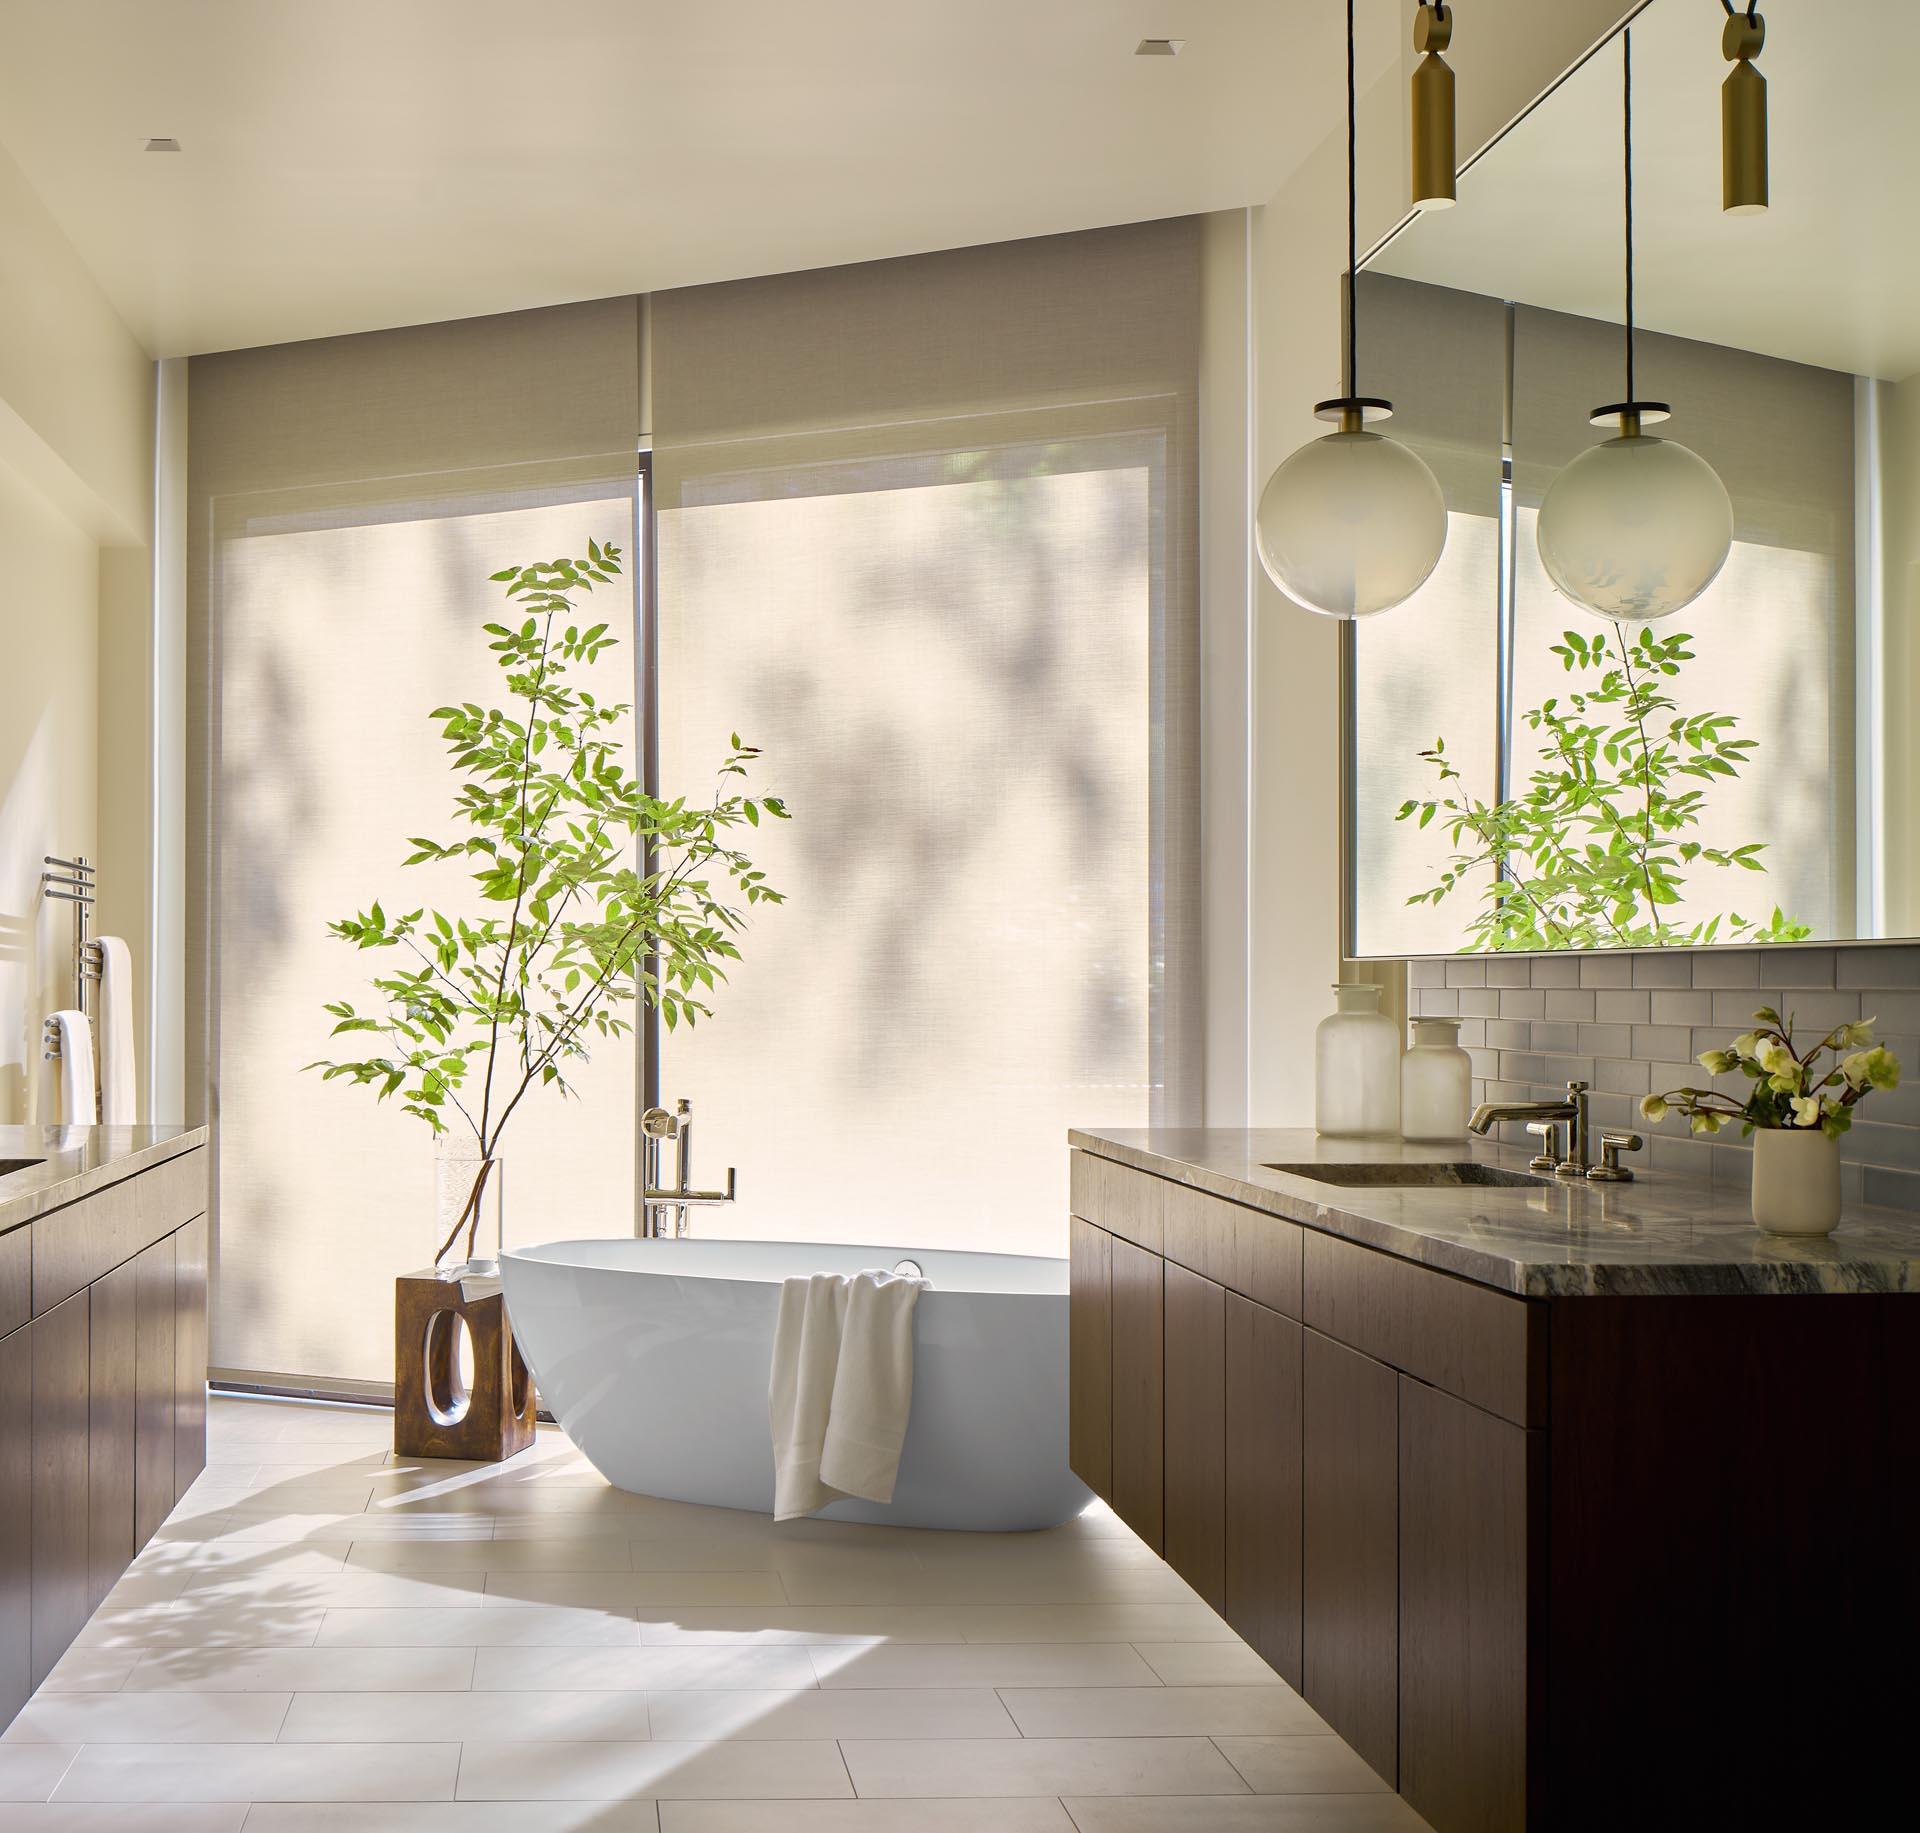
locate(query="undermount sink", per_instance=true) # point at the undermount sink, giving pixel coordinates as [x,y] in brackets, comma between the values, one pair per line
[1463,1174]
[10,1165]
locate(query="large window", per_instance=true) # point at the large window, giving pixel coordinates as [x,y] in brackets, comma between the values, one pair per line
[949,663]
[342,627]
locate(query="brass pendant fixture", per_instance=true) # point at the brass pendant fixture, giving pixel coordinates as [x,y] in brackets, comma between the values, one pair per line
[1636,527]
[1353,522]
[1743,114]
[1432,135]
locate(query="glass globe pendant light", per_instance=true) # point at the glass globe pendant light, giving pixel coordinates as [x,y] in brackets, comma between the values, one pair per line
[1637,527]
[1352,523]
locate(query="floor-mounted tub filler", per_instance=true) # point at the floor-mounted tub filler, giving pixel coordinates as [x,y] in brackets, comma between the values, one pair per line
[654,1356]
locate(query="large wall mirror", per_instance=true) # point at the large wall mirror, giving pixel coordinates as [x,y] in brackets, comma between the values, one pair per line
[1783,795]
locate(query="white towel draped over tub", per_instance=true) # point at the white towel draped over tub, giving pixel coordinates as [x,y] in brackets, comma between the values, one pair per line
[116,1033]
[76,1068]
[841,1388]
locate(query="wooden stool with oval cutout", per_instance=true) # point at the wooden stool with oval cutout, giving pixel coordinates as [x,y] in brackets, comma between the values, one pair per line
[435,1413]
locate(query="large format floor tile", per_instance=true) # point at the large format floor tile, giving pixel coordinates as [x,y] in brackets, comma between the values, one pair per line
[261,1772]
[1040,1766]
[613,1772]
[326,1638]
[1160,1712]
[1033,1815]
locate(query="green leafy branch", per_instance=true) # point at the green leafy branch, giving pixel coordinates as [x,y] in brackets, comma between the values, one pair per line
[1594,853]
[602,894]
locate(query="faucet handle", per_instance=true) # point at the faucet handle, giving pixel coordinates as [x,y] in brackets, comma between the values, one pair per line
[1610,1170]
[1550,1133]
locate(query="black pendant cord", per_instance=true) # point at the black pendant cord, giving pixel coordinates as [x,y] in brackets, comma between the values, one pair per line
[1353,225]
[1626,117]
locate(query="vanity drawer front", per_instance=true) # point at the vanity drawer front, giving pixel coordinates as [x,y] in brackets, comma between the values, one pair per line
[1127,1203]
[1481,1346]
[1245,1250]
[16,1278]
[74,1246]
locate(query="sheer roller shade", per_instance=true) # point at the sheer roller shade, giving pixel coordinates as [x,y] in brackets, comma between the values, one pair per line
[926,535]
[1773,635]
[349,498]
[1423,671]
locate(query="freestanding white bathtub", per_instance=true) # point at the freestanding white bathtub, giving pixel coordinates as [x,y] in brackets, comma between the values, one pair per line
[654,1357]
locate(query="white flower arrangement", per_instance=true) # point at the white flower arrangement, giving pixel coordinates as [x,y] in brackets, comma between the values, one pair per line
[1790,1087]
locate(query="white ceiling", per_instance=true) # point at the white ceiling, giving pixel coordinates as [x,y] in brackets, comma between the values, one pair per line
[350,164]
[1828,276]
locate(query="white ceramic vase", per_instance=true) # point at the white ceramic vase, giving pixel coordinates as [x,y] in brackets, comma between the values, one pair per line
[1356,1068]
[1436,1084]
[1796,1181]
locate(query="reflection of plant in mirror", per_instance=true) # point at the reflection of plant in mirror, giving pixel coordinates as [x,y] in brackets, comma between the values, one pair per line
[1593,854]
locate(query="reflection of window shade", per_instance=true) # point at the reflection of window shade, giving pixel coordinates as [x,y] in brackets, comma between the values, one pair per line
[926,536]
[350,497]
[1427,669]
[1773,634]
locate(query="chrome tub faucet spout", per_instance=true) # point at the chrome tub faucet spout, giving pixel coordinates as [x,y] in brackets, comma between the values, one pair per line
[656,1124]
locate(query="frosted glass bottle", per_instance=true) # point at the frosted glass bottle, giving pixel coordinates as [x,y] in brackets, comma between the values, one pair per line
[1436,1084]
[1356,1068]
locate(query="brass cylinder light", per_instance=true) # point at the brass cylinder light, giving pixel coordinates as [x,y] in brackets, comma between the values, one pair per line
[1743,117]
[1432,137]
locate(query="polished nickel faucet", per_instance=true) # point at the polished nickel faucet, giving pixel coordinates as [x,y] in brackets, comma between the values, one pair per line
[1573,1110]
[656,1124]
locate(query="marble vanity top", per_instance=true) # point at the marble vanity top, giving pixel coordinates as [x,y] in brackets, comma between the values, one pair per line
[75,1161]
[1659,1234]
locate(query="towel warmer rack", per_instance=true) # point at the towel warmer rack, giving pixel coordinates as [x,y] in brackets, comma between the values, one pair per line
[73,881]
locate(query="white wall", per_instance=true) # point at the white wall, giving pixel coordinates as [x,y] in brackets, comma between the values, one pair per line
[76,515]
[1505,52]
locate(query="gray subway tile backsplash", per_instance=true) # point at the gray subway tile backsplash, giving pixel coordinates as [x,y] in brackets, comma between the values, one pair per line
[1628,1023]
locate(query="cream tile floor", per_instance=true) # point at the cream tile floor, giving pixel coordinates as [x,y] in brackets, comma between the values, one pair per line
[327,1639]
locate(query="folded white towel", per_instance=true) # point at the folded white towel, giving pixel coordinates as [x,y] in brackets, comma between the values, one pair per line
[76,1068]
[116,1034]
[841,1388]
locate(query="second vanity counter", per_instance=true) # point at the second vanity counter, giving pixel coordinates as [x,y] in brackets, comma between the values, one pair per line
[1499,1477]
[1659,1235]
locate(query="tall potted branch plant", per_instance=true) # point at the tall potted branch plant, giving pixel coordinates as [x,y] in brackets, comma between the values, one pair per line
[597,893]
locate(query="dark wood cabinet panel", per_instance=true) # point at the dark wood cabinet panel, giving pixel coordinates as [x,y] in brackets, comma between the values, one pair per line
[1470,1489]
[1350,1554]
[1246,1250]
[1090,1356]
[16,1278]
[16,1521]
[112,1389]
[1196,1449]
[153,1438]
[190,1354]
[1464,1339]
[1139,1419]
[1263,1453]
[1130,1204]
[61,1578]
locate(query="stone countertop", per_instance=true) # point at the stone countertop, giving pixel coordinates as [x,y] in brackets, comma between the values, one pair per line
[76,1161]
[1660,1234]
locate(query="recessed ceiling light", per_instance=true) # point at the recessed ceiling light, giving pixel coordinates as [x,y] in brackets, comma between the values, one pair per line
[163,143]
[1160,47]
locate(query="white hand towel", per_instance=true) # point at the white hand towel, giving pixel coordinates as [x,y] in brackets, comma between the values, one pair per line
[872,1388]
[116,1033]
[841,1388]
[76,1068]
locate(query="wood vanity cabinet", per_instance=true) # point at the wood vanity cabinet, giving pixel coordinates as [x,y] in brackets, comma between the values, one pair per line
[1544,1563]
[1334,1449]
[102,1401]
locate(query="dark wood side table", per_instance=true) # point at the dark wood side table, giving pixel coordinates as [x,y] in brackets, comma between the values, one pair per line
[434,1413]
